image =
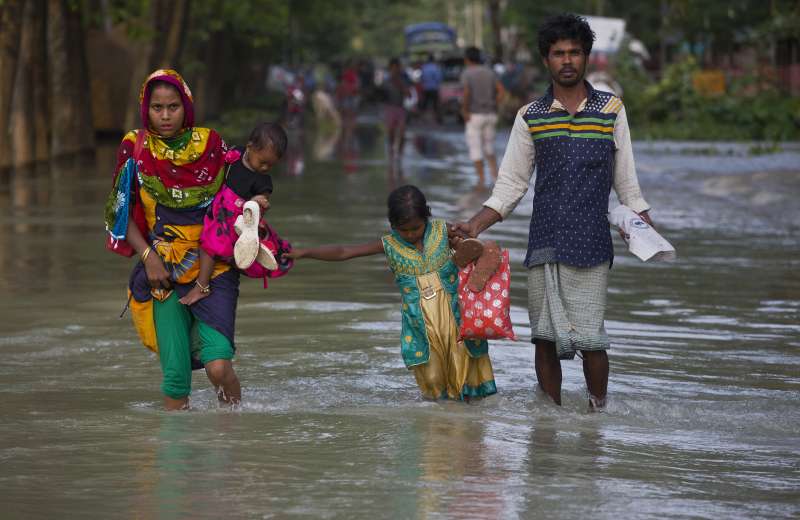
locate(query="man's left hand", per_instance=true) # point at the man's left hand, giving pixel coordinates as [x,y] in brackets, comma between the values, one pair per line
[644,215]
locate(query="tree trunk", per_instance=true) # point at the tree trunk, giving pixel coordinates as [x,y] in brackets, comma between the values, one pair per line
[69,92]
[205,80]
[10,24]
[41,112]
[662,38]
[494,19]
[208,87]
[142,67]
[23,107]
[175,35]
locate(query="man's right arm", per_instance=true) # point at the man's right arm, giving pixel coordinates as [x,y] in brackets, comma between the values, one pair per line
[516,169]
[513,180]
[465,98]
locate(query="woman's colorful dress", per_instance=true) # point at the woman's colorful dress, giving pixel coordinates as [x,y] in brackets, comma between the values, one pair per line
[444,365]
[166,185]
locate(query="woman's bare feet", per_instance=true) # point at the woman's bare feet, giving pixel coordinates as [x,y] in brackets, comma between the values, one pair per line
[172,405]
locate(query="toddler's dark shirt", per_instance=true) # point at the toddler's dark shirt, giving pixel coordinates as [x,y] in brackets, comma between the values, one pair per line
[245,183]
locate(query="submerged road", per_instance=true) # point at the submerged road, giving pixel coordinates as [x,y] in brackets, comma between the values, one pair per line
[702,420]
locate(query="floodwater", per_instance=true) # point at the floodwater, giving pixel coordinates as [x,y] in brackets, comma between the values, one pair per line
[703,418]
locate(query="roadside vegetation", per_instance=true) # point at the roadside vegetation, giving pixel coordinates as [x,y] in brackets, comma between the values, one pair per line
[752,108]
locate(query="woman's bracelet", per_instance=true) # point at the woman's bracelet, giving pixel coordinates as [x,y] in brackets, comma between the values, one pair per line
[146,253]
[205,289]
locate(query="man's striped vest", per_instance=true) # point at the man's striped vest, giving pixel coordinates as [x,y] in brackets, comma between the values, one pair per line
[574,173]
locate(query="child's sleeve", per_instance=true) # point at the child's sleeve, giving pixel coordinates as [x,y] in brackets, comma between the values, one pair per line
[262,185]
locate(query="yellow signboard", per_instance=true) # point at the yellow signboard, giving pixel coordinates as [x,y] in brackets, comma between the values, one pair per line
[709,82]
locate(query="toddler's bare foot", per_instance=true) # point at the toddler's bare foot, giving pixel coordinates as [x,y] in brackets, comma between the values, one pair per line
[193,296]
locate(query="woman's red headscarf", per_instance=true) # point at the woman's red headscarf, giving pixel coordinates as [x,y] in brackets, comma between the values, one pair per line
[182,172]
[173,78]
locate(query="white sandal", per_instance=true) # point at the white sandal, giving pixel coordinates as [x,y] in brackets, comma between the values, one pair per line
[246,248]
[266,258]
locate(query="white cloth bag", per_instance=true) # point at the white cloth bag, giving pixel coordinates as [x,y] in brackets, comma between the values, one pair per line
[643,241]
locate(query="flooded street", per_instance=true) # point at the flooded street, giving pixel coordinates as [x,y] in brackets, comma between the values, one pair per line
[703,418]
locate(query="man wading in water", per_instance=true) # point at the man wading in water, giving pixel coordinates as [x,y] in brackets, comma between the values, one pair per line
[577,140]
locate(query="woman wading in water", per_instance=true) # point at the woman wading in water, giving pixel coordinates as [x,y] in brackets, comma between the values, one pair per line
[167,174]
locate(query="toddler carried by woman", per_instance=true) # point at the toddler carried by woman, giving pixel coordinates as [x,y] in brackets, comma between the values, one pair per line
[233,228]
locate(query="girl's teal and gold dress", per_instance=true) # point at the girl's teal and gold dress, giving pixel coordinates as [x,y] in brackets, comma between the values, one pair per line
[444,365]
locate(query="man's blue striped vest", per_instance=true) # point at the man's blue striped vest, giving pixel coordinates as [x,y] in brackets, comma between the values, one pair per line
[574,174]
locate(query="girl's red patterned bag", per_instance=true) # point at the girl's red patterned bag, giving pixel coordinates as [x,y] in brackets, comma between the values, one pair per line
[486,314]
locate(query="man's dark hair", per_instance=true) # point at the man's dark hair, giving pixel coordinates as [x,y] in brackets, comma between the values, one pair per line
[565,27]
[269,134]
[473,54]
[394,61]
[405,203]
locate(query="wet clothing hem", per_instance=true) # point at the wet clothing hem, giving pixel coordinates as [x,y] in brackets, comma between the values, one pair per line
[411,366]
[186,343]
[566,305]
[574,346]
[484,389]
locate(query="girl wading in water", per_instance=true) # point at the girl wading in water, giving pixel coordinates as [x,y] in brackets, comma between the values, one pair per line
[167,174]
[419,255]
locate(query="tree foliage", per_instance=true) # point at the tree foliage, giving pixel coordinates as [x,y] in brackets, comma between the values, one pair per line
[224,48]
[714,26]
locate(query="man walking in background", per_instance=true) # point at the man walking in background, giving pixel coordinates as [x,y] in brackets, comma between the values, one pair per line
[482,94]
[578,141]
[431,80]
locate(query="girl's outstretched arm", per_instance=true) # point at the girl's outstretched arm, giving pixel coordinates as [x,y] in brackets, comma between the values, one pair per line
[337,252]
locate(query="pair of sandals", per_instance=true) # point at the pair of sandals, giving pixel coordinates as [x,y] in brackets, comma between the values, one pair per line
[248,247]
[487,257]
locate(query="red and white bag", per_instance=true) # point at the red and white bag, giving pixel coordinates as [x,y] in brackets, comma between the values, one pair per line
[486,314]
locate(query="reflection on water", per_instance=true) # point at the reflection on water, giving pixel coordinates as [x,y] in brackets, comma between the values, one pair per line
[452,459]
[702,420]
[167,469]
[45,208]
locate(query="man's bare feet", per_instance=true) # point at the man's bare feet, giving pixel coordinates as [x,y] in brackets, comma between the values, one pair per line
[597,404]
